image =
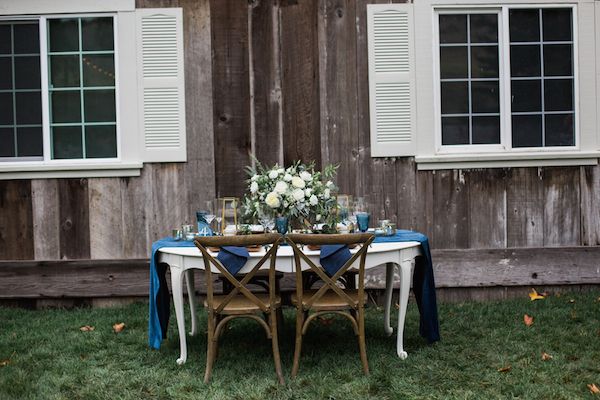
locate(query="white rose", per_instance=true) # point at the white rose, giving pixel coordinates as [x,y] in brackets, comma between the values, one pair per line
[313,200]
[308,192]
[298,182]
[329,184]
[285,204]
[306,176]
[273,174]
[298,194]
[253,187]
[318,217]
[280,171]
[254,178]
[287,177]
[272,200]
[326,193]
[281,187]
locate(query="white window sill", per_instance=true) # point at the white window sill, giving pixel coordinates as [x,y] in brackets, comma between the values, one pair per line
[529,159]
[82,170]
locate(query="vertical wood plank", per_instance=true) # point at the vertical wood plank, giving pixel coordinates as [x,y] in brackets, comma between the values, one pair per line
[46,226]
[74,218]
[137,210]
[424,200]
[106,223]
[168,200]
[16,220]
[487,208]
[450,210]
[525,208]
[408,199]
[266,82]
[562,216]
[590,205]
[338,89]
[229,23]
[300,84]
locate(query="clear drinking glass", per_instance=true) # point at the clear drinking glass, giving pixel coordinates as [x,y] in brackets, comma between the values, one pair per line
[218,209]
[210,212]
[264,218]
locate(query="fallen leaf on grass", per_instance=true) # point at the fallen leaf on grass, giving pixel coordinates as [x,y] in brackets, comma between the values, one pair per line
[528,320]
[534,295]
[86,328]
[397,306]
[326,321]
[546,357]
[119,327]
[4,363]
[593,388]
[505,369]
[571,301]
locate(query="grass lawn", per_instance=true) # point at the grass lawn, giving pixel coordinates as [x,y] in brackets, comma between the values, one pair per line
[50,358]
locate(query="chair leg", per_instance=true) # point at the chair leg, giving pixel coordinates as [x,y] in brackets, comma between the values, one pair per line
[298,346]
[361,340]
[210,348]
[275,344]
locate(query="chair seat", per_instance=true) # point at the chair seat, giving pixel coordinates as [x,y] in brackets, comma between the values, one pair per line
[330,301]
[240,304]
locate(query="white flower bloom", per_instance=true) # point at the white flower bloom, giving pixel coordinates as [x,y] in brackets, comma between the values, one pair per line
[253,187]
[285,204]
[292,170]
[305,175]
[313,200]
[272,200]
[329,184]
[254,178]
[326,193]
[273,174]
[308,192]
[280,171]
[287,177]
[318,218]
[298,182]
[298,194]
[281,187]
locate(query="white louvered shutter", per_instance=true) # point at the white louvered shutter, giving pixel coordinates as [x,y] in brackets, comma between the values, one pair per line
[161,83]
[391,79]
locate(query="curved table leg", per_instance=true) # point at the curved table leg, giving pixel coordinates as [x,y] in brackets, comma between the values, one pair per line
[389,286]
[177,288]
[406,268]
[189,280]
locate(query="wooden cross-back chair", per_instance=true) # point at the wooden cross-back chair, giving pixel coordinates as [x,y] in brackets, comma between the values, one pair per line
[329,298]
[240,302]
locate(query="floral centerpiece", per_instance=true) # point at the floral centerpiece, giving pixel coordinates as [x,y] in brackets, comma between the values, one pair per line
[299,192]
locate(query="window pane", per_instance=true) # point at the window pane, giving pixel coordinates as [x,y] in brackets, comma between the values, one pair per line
[97,33]
[486,130]
[27,72]
[7,142]
[558,60]
[484,28]
[27,39]
[101,141]
[6,109]
[526,130]
[557,24]
[29,142]
[453,28]
[485,97]
[455,130]
[64,71]
[63,34]
[66,106]
[98,70]
[5,39]
[453,62]
[99,106]
[524,25]
[455,98]
[526,95]
[558,94]
[525,60]
[484,61]
[560,130]
[5,73]
[29,108]
[66,141]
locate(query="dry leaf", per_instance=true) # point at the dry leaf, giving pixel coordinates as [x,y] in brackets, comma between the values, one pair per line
[546,357]
[534,295]
[593,388]
[571,301]
[86,328]
[397,306]
[528,320]
[119,327]
[4,363]
[504,369]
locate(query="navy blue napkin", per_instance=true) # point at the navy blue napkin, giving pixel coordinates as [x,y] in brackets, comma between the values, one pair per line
[333,257]
[233,258]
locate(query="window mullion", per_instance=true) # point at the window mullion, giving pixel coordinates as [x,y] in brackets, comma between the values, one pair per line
[83,152]
[542,83]
[14,87]
[506,133]
[469,79]
[47,142]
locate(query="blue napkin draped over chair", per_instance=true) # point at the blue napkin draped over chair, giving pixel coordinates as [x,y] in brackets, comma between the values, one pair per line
[333,257]
[233,258]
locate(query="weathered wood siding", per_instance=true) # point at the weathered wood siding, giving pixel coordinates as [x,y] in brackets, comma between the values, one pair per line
[287,80]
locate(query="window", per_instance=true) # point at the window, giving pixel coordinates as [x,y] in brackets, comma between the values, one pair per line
[474,49]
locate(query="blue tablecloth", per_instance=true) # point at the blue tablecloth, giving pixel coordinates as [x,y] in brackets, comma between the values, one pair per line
[423,288]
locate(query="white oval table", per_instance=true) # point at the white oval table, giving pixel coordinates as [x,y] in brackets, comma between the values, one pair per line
[183,260]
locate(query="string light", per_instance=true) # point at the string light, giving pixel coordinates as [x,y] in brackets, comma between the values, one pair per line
[98,69]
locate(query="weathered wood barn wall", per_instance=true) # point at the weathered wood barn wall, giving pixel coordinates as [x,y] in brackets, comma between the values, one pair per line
[286,80]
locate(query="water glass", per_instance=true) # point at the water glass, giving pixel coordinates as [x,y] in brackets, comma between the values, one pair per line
[362,220]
